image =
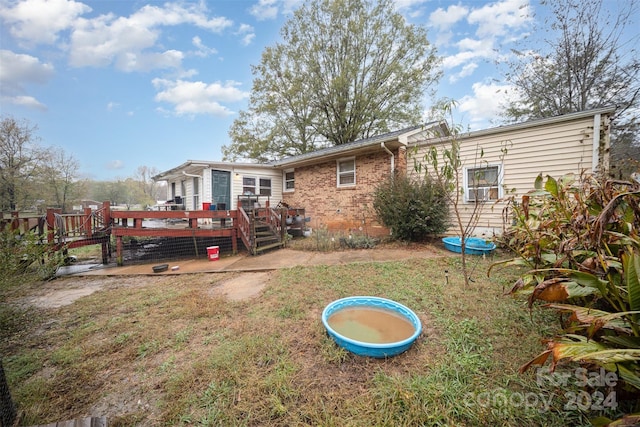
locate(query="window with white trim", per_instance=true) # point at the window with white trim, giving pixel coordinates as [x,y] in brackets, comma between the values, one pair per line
[346,172]
[248,185]
[256,186]
[289,180]
[265,186]
[482,184]
[196,193]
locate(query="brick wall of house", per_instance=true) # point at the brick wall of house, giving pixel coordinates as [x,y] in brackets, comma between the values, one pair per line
[346,209]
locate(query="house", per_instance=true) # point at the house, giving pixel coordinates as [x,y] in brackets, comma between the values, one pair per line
[335,185]
[221,184]
[514,155]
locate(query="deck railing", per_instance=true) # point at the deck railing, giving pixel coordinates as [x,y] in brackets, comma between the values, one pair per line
[245,229]
[99,225]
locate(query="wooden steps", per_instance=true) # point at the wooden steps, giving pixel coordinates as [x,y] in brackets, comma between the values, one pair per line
[266,238]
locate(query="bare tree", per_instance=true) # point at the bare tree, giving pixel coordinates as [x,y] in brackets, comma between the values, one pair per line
[59,175]
[147,185]
[589,61]
[20,160]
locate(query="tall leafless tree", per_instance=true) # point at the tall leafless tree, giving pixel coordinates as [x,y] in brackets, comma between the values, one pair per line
[20,160]
[588,60]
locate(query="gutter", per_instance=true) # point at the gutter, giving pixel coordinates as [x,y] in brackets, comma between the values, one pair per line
[191,175]
[393,157]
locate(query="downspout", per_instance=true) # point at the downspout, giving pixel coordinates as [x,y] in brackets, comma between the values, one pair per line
[393,157]
[595,157]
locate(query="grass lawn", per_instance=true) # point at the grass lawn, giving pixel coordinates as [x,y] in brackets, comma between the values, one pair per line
[167,351]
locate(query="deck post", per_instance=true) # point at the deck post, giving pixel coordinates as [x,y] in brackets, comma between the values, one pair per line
[119,259]
[234,240]
[87,224]
[105,253]
[106,212]
[15,221]
[51,223]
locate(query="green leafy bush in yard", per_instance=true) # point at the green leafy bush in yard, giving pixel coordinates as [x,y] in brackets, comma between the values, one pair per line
[579,239]
[411,209]
[24,256]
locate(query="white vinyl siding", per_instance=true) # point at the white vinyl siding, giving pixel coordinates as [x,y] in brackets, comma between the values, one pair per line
[237,178]
[554,149]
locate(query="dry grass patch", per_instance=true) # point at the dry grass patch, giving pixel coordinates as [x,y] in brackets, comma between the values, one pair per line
[170,352]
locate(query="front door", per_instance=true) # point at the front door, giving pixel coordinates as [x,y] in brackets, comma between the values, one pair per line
[221,189]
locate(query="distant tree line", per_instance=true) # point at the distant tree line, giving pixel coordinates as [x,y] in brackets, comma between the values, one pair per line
[34,177]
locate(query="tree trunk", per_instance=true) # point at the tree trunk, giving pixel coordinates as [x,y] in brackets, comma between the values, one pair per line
[7,407]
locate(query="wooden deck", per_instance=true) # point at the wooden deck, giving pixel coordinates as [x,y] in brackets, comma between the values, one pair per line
[258,229]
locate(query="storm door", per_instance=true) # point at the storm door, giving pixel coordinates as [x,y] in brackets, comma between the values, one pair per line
[221,189]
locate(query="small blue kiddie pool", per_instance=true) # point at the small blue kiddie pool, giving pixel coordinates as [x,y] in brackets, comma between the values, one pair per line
[473,246]
[371,326]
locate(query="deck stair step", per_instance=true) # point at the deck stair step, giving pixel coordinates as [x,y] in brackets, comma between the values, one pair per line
[267,247]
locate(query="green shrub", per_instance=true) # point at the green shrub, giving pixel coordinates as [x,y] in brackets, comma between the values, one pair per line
[578,238]
[411,209]
[24,257]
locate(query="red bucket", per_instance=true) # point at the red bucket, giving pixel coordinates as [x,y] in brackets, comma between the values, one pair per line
[213,252]
[206,206]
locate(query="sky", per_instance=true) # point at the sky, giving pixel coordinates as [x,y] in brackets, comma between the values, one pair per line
[121,84]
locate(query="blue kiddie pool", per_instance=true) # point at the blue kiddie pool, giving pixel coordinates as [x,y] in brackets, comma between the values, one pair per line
[371,326]
[474,245]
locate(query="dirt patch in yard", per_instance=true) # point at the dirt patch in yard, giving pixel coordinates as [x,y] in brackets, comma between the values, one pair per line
[244,286]
[65,291]
[253,278]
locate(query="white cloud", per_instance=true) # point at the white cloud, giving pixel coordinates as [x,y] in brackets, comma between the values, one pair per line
[466,71]
[19,70]
[112,105]
[203,51]
[248,39]
[500,18]
[408,4]
[129,41]
[24,101]
[190,98]
[445,19]
[176,14]
[484,106]
[149,61]
[289,6]
[264,10]
[458,59]
[115,165]
[248,34]
[41,21]
[480,32]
